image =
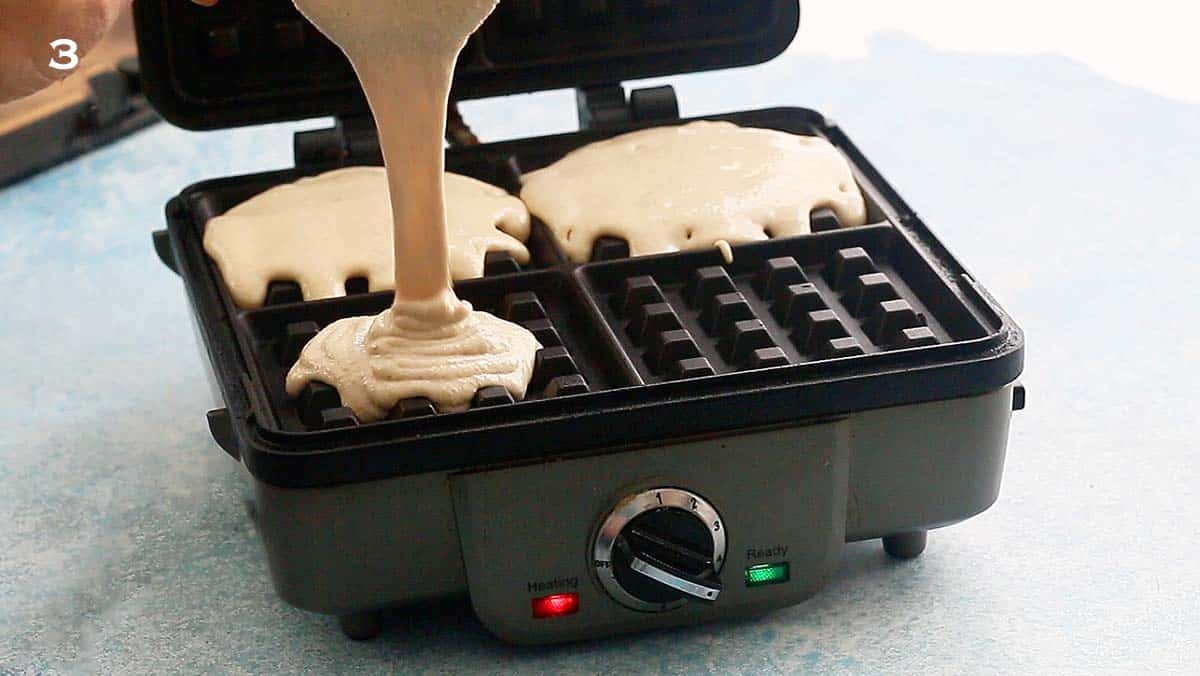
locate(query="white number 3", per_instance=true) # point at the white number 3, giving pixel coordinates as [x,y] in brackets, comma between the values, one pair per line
[65,57]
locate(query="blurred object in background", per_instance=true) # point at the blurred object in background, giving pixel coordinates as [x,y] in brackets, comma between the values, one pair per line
[98,104]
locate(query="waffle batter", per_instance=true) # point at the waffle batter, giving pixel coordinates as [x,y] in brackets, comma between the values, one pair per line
[429,343]
[323,230]
[695,186]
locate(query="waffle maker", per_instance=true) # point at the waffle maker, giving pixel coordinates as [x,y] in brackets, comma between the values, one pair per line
[700,439]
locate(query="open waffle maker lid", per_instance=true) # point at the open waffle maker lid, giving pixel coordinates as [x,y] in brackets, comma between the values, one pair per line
[246,62]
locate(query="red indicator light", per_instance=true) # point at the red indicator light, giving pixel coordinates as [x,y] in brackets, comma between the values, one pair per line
[555,605]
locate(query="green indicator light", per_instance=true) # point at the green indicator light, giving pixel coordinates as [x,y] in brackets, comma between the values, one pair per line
[767,573]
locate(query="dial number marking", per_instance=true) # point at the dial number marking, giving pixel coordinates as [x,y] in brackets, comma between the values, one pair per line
[627,510]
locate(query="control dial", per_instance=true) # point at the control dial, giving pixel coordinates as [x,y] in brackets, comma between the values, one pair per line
[659,549]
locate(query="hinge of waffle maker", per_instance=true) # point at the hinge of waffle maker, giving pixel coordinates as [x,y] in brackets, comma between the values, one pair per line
[606,105]
[351,140]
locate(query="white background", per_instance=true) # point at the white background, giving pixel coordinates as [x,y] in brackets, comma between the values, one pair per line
[1149,43]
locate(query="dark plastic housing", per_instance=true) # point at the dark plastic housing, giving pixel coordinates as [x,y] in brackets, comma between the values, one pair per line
[651,349]
[242,63]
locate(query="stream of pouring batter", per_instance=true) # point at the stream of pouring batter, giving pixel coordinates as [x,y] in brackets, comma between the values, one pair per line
[429,343]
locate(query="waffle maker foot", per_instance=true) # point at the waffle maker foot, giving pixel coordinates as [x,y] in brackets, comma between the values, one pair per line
[906,545]
[360,626]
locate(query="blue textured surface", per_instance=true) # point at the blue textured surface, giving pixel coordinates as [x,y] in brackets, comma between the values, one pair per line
[125,548]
